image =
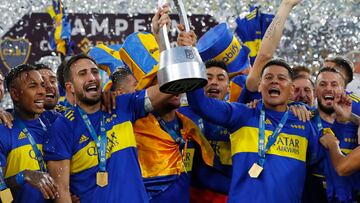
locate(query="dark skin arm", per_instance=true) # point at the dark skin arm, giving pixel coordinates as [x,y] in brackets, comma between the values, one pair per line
[60,171]
[39,180]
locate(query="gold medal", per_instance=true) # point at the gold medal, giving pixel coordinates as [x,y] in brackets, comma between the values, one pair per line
[255,170]
[6,196]
[102,178]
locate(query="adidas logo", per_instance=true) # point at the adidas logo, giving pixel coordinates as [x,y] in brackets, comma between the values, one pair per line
[267,121]
[21,136]
[83,138]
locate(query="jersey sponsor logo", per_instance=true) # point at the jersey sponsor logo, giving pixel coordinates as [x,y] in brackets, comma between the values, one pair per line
[223,150]
[21,158]
[119,137]
[287,145]
[188,159]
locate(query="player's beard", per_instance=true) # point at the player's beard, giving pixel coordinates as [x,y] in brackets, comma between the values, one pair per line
[327,110]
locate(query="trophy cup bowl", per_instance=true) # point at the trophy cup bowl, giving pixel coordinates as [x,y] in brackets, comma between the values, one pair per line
[181,70]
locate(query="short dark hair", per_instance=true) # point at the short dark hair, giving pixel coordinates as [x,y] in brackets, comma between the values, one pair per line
[298,69]
[216,63]
[60,74]
[343,63]
[119,75]
[279,62]
[296,77]
[41,66]
[16,72]
[331,70]
[71,61]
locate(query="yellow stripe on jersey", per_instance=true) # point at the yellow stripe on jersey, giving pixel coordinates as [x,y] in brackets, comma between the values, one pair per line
[21,158]
[287,145]
[121,136]
[223,150]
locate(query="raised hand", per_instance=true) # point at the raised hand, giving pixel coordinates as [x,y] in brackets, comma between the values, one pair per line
[291,2]
[328,139]
[161,18]
[186,38]
[342,107]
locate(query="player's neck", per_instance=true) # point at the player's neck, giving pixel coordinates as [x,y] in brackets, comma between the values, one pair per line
[89,109]
[24,115]
[330,118]
[278,108]
[168,116]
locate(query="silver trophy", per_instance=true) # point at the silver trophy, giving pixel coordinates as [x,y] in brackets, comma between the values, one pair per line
[181,68]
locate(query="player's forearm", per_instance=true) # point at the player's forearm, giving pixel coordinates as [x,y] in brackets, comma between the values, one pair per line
[213,110]
[268,45]
[338,160]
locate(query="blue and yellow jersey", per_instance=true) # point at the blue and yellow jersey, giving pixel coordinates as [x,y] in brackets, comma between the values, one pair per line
[284,171]
[342,188]
[69,139]
[17,154]
[216,179]
[355,103]
[247,96]
[166,168]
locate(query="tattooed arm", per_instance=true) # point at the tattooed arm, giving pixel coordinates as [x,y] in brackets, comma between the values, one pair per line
[269,43]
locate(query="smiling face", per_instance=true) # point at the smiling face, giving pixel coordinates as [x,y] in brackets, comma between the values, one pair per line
[28,93]
[328,85]
[304,91]
[218,83]
[85,82]
[51,88]
[276,87]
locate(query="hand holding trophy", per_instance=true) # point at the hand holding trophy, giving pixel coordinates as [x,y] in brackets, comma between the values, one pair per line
[181,68]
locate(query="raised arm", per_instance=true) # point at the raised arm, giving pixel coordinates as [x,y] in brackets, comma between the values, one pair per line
[269,43]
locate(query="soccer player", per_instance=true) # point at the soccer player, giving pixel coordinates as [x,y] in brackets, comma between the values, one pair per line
[304,90]
[259,165]
[329,84]
[123,81]
[21,146]
[51,86]
[211,183]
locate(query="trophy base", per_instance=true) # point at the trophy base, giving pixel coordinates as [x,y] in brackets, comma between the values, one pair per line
[182,85]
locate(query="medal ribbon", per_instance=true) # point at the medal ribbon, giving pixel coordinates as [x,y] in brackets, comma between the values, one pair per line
[100,141]
[38,154]
[272,138]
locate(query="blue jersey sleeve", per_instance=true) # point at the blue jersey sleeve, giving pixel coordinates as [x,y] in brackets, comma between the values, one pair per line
[132,103]
[59,139]
[315,150]
[218,112]
[246,96]
[5,144]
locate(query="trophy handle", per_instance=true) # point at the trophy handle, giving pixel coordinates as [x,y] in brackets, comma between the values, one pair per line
[179,4]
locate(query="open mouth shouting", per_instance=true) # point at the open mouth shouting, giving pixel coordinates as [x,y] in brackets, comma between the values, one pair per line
[274,92]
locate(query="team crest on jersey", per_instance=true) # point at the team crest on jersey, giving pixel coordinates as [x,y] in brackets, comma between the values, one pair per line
[14,52]
[21,136]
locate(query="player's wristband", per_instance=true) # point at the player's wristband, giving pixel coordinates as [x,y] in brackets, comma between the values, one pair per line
[20,180]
